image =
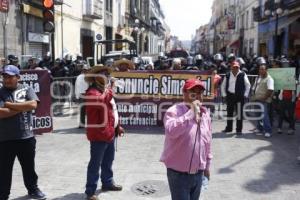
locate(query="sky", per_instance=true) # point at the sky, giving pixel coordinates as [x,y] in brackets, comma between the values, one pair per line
[185,16]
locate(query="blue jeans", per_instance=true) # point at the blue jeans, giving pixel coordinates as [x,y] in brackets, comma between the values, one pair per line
[184,186]
[265,124]
[102,154]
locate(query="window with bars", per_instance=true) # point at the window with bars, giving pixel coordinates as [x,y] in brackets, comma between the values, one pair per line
[34,24]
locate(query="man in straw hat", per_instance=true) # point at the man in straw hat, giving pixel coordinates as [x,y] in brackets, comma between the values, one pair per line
[102,127]
[124,65]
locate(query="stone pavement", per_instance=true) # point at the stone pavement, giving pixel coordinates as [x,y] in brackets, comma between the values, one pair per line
[248,167]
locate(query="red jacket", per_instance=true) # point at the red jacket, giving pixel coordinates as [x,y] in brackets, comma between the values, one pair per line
[100,118]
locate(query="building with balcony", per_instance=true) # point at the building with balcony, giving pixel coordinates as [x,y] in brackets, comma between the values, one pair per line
[279,29]
[146,24]
[76,25]
[23,33]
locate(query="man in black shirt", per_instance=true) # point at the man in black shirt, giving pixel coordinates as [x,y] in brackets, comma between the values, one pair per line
[16,136]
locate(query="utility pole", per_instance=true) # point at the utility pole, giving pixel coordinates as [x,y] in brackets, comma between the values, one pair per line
[4,23]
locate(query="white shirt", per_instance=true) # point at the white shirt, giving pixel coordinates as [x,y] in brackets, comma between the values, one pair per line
[80,86]
[270,83]
[232,81]
[115,111]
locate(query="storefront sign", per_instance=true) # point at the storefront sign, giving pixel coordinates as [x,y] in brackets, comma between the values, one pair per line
[37,37]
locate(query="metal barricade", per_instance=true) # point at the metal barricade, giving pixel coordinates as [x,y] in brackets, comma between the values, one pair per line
[63,93]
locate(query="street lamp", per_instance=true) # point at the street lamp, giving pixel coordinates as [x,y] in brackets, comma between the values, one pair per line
[274,9]
[137,27]
[137,30]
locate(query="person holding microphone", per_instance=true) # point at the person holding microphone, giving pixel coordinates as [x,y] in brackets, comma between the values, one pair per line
[187,149]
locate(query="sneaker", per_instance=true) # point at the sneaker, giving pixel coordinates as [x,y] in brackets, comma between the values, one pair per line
[279,131]
[37,194]
[268,135]
[290,132]
[257,131]
[93,197]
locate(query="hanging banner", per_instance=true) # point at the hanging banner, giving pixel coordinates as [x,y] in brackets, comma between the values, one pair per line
[145,96]
[39,80]
[231,18]
[4,5]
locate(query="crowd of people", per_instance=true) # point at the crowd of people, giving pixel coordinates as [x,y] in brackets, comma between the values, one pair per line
[187,150]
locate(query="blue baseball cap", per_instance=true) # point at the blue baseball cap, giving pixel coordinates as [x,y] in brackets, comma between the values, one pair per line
[11,70]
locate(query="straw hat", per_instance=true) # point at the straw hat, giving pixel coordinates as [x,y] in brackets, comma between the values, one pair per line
[97,69]
[124,61]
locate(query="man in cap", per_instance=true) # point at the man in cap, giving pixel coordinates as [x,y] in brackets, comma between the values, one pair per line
[235,88]
[16,137]
[187,149]
[80,88]
[102,127]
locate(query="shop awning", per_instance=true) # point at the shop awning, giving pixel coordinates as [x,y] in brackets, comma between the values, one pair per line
[28,9]
[282,23]
[223,49]
[235,44]
[126,37]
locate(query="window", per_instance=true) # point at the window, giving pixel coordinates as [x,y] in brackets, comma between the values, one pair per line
[108,5]
[242,21]
[247,19]
[34,24]
[252,18]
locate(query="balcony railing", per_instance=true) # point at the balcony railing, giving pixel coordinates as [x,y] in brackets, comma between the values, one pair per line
[93,9]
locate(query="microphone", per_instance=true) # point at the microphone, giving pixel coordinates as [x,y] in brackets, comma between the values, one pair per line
[198,112]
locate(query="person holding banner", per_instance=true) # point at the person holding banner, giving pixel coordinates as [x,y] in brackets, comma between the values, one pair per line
[235,88]
[187,150]
[262,93]
[102,127]
[287,102]
[16,136]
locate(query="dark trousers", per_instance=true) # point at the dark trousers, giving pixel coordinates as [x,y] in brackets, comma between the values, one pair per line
[234,103]
[24,150]
[184,186]
[287,112]
[82,112]
[102,155]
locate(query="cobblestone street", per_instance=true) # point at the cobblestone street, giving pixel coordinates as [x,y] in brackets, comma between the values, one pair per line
[248,167]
